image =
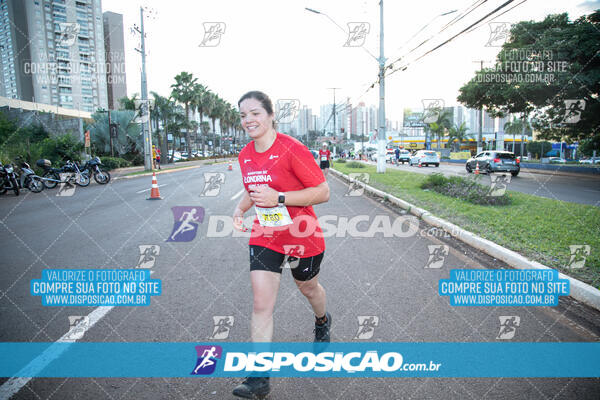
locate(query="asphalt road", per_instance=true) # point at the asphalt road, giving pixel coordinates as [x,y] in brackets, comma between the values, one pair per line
[576,189]
[103,227]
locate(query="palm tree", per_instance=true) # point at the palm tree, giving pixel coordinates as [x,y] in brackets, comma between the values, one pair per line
[516,126]
[217,112]
[207,103]
[183,92]
[162,111]
[458,133]
[440,127]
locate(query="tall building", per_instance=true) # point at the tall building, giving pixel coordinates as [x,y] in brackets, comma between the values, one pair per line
[14,51]
[53,52]
[114,45]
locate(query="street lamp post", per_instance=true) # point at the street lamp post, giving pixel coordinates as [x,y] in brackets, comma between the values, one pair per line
[381,132]
[381,60]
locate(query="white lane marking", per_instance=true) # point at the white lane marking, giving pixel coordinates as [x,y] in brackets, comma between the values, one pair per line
[13,385]
[145,190]
[238,194]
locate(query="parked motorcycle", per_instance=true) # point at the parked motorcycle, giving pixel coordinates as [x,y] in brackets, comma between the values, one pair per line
[51,176]
[93,167]
[28,179]
[8,179]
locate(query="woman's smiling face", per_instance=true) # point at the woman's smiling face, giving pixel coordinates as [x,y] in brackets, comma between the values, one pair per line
[255,120]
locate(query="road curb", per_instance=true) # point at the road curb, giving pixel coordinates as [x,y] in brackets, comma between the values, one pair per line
[165,171]
[579,290]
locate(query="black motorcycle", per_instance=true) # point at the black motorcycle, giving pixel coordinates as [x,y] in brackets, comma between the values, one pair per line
[93,167]
[8,179]
[51,176]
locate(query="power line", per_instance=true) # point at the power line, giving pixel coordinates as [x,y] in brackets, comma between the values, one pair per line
[453,37]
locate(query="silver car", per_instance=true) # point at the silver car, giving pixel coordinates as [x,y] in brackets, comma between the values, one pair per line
[424,158]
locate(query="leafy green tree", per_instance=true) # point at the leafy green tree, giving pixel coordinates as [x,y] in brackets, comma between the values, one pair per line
[570,50]
[539,148]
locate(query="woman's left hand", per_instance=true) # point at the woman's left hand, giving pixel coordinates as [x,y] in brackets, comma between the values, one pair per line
[264,196]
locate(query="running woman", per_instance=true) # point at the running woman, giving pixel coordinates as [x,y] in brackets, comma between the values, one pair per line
[282,182]
[324,156]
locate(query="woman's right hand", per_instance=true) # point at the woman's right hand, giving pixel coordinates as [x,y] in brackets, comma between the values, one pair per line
[238,220]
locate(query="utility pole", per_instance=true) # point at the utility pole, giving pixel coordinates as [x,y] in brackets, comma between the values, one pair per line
[381,132]
[145,106]
[334,114]
[480,119]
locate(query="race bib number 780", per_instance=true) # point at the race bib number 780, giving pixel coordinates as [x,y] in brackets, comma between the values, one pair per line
[273,217]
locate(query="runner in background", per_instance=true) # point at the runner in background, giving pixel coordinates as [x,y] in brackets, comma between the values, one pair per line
[282,182]
[153,157]
[325,157]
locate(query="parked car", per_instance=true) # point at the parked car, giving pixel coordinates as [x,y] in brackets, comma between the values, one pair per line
[494,161]
[592,160]
[557,160]
[424,158]
[404,156]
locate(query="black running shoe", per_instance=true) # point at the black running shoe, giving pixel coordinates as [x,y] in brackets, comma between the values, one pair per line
[322,331]
[253,388]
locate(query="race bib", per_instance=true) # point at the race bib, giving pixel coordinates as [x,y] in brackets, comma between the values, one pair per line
[273,217]
[323,158]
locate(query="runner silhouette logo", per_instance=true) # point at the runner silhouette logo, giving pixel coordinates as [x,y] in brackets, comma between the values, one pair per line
[185,224]
[207,359]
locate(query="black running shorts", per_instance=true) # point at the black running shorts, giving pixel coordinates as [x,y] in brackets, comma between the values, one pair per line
[303,269]
[324,164]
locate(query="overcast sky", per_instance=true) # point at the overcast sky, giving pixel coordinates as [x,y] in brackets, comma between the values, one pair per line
[280,48]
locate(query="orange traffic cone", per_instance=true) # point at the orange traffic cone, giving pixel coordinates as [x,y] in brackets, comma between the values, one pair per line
[230,167]
[154,193]
[477,168]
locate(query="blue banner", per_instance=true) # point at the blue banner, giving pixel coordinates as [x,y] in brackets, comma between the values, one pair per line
[228,359]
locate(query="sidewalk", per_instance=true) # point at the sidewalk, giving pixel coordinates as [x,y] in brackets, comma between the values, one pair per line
[125,172]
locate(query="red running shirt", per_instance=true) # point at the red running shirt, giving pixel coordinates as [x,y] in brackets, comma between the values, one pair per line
[324,153]
[286,166]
